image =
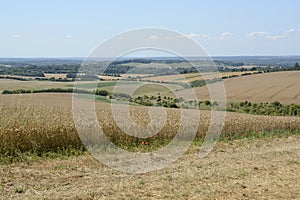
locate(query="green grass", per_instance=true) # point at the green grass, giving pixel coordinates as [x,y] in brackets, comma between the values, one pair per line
[103,99]
[270,109]
[105,84]
[188,77]
[28,157]
[96,97]
[267,109]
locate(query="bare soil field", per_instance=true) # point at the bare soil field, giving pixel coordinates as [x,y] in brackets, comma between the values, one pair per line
[246,169]
[269,87]
[56,76]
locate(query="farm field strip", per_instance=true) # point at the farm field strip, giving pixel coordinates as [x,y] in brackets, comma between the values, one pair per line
[40,121]
[268,87]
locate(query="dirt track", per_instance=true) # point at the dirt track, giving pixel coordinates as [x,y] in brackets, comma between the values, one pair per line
[250,169]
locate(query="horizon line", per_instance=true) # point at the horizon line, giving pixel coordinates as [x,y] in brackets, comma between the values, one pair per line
[83,57]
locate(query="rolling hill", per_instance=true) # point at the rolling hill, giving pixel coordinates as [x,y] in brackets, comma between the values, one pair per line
[268,87]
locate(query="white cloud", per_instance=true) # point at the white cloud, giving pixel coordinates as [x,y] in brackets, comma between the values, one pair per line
[221,36]
[153,37]
[276,37]
[171,37]
[229,35]
[225,35]
[269,36]
[257,34]
[291,30]
[196,35]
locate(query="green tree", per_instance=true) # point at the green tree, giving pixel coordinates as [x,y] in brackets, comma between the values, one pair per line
[102,92]
[207,103]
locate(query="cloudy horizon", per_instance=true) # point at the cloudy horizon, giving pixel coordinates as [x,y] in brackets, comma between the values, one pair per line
[74,29]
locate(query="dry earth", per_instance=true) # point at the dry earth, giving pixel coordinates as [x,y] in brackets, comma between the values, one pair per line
[246,169]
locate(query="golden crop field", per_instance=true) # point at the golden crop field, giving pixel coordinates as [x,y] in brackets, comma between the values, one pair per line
[170,78]
[119,86]
[43,122]
[8,84]
[268,87]
[191,77]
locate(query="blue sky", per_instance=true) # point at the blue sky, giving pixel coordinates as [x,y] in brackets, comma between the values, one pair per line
[74,28]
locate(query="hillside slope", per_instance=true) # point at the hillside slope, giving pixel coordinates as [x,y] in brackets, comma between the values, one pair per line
[269,87]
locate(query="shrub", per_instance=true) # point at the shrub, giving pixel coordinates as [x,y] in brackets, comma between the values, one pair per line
[102,92]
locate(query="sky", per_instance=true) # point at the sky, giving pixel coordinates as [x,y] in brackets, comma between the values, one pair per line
[73,28]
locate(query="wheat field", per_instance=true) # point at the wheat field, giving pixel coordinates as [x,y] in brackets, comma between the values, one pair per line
[43,122]
[268,87]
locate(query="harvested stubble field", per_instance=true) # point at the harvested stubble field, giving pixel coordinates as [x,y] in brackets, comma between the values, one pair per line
[268,87]
[245,169]
[186,78]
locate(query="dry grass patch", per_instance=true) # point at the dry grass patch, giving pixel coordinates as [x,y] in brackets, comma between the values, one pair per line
[256,169]
[56,76]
